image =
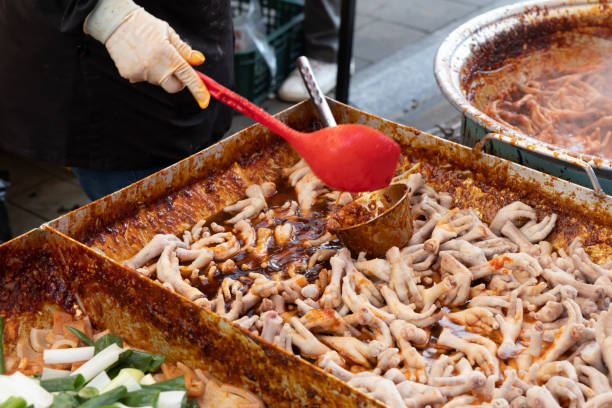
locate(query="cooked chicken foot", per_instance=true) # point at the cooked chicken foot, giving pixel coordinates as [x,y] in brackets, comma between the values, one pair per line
[168,272]
[154,249]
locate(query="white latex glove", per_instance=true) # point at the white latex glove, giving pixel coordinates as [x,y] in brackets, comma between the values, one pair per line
[145,48]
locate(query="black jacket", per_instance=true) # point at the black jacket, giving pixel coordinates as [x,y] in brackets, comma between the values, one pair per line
[62,99]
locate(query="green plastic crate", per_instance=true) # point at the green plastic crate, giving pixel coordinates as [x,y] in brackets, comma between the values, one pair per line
[284,20]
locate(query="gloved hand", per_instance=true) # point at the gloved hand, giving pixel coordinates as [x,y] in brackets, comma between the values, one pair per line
[145,48]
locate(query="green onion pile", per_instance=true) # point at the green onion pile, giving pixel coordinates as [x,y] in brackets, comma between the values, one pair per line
[112,376]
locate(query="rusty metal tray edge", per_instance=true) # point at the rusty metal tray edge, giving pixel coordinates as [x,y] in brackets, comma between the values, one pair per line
[200,164]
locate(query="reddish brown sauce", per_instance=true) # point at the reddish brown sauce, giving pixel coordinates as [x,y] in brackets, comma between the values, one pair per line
[360,211]
[499,262]
[306,226]
[569,108]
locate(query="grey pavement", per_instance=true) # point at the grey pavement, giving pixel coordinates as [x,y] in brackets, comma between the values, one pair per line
[395,42]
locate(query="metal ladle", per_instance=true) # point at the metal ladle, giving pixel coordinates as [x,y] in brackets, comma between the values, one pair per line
[393,226]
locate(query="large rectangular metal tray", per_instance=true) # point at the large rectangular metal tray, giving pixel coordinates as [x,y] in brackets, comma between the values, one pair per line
[92,240]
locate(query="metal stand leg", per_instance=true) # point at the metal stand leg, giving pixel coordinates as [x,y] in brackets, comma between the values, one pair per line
[345,50]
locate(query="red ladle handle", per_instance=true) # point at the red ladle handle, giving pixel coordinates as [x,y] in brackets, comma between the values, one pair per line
[242,105]
[348,157]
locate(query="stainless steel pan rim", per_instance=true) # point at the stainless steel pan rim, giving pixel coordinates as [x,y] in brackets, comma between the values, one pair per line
[558,155]
[456,49]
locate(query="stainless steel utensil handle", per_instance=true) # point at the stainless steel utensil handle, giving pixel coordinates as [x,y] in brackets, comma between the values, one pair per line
[318,98]
[554,154]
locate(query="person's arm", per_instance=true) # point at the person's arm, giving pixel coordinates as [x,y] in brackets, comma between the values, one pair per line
[72,12]
[143,47]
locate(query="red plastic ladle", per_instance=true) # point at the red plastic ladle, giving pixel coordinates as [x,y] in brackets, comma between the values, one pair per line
[347,157]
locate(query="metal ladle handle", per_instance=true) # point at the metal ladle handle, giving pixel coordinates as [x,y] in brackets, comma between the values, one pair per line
[317,96]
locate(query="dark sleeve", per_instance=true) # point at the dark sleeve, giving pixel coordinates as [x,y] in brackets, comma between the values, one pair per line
[74,13]
[66,15]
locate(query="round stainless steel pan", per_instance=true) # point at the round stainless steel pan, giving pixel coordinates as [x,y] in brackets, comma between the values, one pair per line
[516,43]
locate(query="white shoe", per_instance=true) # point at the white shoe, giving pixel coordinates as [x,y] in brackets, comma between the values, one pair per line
[293,89]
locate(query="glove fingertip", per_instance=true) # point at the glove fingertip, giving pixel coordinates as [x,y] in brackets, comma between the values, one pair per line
[196,58]
[205,101]
[188,76]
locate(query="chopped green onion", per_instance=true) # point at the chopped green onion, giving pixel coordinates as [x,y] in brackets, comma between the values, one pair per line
[64,400]
[14,402]
[51,373]
[2,370]
[144,361]
[147,380]
[120,364]
[100,362]
[128,377]
[192,403]
[72,383]
[68,355]
[108,398]
[115,405]
[99,381]
[28,389]
[141,398]
[174,384]
[171,399]
[106,340]
[82,336]
[141,360]
[88,392]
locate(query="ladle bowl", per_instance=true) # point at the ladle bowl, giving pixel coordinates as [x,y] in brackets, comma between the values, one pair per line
[375,221]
